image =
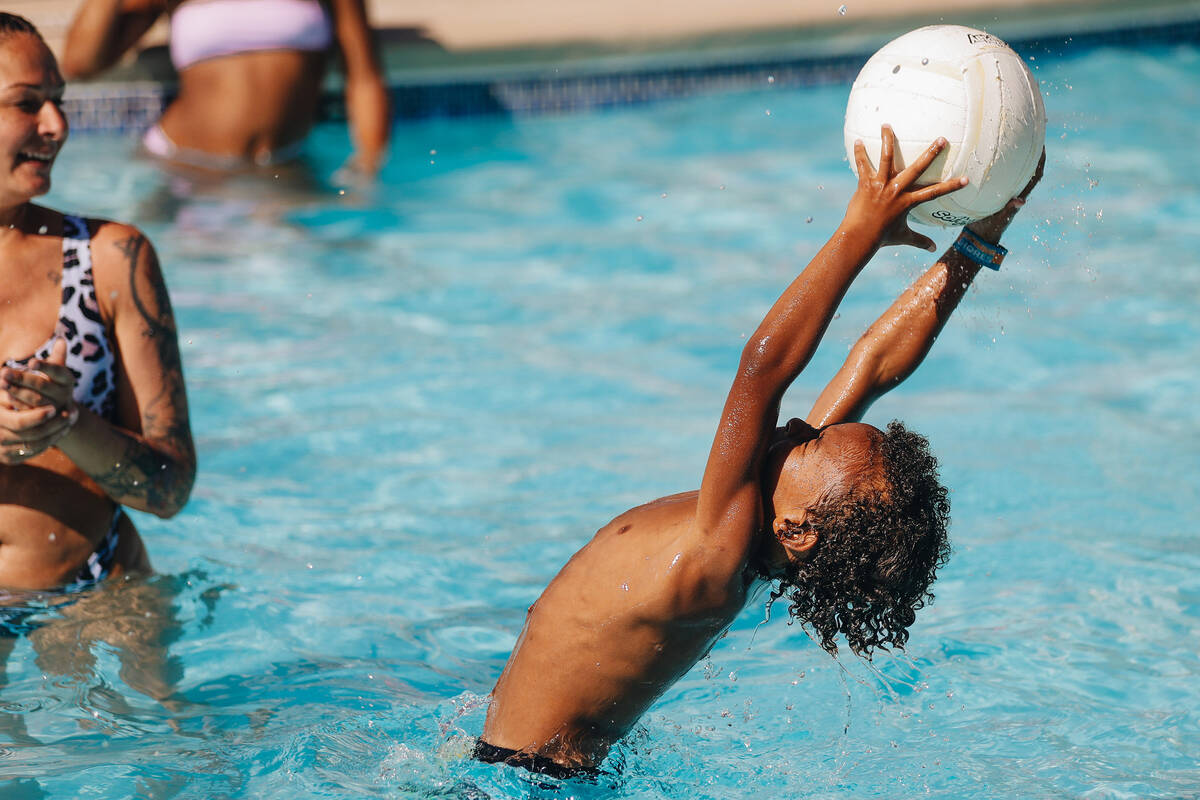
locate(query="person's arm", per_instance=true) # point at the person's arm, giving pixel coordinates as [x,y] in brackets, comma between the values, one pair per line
[367,106]
[730,505]
[103,30]
[147,459]
[895,344]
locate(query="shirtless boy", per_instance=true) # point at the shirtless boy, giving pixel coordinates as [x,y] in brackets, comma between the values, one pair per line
[850,520]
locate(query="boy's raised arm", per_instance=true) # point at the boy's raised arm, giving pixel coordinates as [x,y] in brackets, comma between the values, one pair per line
[895,344]
[730,505]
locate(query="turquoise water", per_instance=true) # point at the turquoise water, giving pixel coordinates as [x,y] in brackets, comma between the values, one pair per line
[413,404]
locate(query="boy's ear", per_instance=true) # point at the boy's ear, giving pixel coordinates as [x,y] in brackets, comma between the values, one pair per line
[795,533]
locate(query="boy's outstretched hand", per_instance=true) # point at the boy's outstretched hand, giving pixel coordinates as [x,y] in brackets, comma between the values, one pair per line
[991,228]
[884,196]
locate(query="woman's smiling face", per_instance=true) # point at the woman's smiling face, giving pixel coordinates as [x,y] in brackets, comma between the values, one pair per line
[32,125]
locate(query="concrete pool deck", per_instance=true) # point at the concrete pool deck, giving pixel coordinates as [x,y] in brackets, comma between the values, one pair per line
[471,35]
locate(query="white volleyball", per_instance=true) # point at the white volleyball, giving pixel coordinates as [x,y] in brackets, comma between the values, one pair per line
[963,84]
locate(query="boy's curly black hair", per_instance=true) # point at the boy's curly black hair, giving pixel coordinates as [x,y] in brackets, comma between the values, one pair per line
[876,555]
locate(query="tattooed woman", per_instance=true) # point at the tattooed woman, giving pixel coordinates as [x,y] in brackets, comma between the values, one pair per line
[93,411]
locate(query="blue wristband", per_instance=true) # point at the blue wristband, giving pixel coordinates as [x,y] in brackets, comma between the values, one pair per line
[982,253]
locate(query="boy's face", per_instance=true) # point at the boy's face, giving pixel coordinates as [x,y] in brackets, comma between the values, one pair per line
[817,464]
[812,466]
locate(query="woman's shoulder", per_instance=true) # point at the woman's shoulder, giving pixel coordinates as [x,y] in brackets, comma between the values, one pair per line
[79,226]
[107,232]
[120,255]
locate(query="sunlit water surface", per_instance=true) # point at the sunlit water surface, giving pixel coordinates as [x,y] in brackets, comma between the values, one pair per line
[413,404]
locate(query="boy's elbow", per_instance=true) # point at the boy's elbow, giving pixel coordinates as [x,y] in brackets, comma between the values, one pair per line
[762,358]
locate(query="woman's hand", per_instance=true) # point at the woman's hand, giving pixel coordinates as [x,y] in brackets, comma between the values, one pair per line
[37,408]
[884,196]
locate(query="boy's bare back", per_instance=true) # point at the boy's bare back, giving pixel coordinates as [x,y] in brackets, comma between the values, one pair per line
[628,615]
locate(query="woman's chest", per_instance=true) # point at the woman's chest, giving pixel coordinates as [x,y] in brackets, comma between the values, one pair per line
[30,299]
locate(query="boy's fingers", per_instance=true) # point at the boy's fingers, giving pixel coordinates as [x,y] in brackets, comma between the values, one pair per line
[887,153]
[1037,176]
[937,189]
[922,162]
[909,236]
[861,159]
[901,233]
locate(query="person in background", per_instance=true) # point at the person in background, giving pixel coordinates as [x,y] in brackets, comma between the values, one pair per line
[250,75]
[93,407]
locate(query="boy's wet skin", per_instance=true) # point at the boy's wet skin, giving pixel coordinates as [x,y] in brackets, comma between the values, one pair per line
[642,602]
[851,520]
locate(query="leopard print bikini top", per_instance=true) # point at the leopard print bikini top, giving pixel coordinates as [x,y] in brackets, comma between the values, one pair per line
[89,354]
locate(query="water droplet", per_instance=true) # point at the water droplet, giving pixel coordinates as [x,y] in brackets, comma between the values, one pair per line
[53,536]
[895,69]
[43,229]
[625,587]
[924,61]
[664,195]
[808,219]
[433,152]
[640,218]
[721,187]
[770,79]
[768,112]
[842,10]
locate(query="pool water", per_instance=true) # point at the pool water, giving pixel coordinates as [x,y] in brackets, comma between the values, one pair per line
[413,403]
